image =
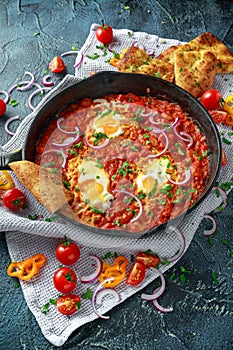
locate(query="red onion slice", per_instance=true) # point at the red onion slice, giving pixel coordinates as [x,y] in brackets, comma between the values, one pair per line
[94,275]
[53,150]
[67,142]
[188,138]
[158,306]
[211,231]
[79,59]
[104,144]
[47,80]
[187,178]
[7,95]
[182,241]
[159,290]
[93,300]
[137,199]
[28,83]
[71,52]
[113,43]
[165,147]
[104,292]
[150,52]
[59,121]
[136,44]
[8,122]
[224,198]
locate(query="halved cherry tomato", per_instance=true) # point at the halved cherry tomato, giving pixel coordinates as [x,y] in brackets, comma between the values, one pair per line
[218,116]
[212,99]
[228,105]
[137,273]
[57,65]
[104,34]
[149,260]
[67,253]
[65,280]
[14,199]
[2,107]
[68,304]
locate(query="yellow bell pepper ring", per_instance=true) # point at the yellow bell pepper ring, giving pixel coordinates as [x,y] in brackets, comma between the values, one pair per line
[6,180]
[228,105]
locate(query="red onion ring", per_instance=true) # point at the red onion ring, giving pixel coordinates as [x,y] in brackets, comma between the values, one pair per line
[159,307]
[79,59]
[166,145]
[159,291]
[136,44]
[68,141]
[7,96]
[107,291]
[187,178]
[150,114]
[137,199]
[182,240]
[211,231]
[94,275]
[59,121]
[69,53]
[8,122]
[104,144]
[112,44]
[96,291]
[150,52]
[187,138]
[224,198]
[53,150]
[47,81]
[28,83]
[36,92]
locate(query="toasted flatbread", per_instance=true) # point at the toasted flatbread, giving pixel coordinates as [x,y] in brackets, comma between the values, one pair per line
[168,55]
[46,187]
[195,70]
[207,41]
[133,58]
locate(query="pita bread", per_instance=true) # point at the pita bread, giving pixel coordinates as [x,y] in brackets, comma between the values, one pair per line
[195,71]
[46,187]
[207,41]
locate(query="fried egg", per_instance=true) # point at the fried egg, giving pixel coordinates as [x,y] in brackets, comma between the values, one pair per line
[111,121]
[152,176]
[93,184]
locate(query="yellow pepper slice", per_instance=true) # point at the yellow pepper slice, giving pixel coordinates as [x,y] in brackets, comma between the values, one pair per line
[228,104]
[27,268]
[117,271]
[6,180]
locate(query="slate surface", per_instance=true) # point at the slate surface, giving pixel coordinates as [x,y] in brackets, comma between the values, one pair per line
[32,32]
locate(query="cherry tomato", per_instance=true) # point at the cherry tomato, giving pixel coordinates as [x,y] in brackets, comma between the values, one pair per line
[218,116]
[149,260]
[104,34]
[68,304]
[67,253]
[2,107]
[136,274]
[14,199]
[57,65]
[65,280]
[212,99]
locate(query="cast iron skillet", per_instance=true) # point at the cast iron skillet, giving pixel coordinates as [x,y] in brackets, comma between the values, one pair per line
[105,83]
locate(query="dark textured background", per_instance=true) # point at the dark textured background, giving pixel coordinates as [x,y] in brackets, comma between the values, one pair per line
[203,311]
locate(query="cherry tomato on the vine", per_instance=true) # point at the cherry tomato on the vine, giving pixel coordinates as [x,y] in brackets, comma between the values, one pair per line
[212,99]
[14,199]
[68,304]
[2,107]
[57,65]
[136,274]
[104,34]
[67,253]
[65,280]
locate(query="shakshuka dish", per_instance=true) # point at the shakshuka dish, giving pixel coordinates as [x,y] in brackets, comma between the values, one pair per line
[131,162]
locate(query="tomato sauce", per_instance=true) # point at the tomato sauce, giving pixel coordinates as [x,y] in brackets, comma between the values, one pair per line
[131,162]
